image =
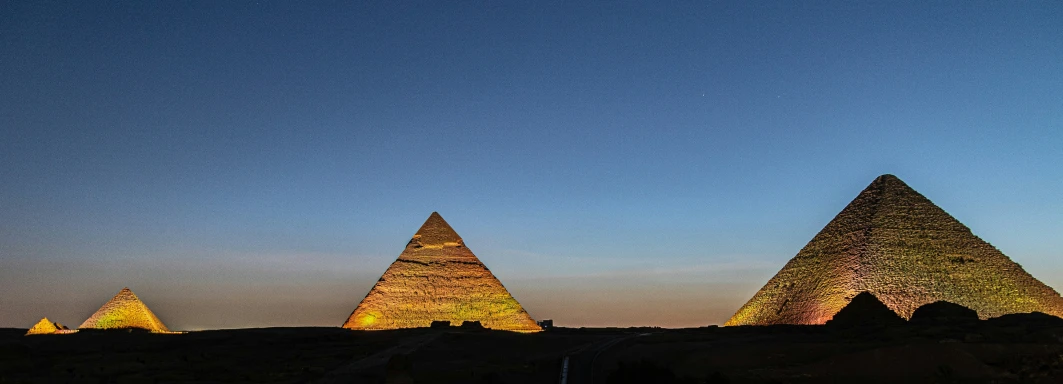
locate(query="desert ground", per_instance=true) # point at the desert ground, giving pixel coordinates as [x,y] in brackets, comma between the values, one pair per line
[1010,349]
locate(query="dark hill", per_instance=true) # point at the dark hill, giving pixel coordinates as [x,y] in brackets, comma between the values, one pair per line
[943,312]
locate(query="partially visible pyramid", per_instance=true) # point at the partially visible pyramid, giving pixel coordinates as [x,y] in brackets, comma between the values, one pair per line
[437,278]
[125,310]
[895,243]
[865,310]
[46,327]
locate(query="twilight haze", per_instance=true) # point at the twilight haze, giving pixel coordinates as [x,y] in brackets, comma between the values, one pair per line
[244,164]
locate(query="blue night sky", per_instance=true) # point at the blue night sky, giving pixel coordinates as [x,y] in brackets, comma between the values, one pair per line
[243,164]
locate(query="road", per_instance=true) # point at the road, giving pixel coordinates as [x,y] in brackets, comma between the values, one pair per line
[582,367]
[407,346]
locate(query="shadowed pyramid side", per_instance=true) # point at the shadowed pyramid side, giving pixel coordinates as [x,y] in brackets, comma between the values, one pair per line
[125,310]
[895,243]
[437,278]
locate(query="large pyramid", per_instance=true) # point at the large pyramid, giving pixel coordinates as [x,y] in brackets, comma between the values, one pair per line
[895,243]
[437,278]
[125,310]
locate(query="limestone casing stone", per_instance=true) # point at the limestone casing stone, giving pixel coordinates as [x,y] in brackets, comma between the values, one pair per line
[123,311]
[895,243]
[437,278]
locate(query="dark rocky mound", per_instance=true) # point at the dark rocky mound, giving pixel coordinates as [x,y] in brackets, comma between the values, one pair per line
[943,312]
[1033,318]
[641,372]
[865,310]
[472,325]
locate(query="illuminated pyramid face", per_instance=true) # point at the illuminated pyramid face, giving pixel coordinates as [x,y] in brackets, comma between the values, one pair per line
[437,278]
[895,243]
[45,327]
[125,310]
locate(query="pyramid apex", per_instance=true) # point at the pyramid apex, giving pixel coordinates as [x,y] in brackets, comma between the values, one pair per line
[435,231]
[887,178]
[887,182]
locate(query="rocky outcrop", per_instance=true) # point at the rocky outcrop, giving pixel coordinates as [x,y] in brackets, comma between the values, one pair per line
[943,312]
[437,278]
[1027,319]
[895,243]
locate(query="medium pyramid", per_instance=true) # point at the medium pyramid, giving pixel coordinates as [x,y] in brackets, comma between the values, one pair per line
[895,243]
[125,310]
[45,327]
[437,278]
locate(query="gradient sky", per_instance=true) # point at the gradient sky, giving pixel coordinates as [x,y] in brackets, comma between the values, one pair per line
[244,164]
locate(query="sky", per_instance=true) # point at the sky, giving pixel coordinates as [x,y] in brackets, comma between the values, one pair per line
[246,164]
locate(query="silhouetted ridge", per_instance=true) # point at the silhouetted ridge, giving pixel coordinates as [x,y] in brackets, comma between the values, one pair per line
[1024,319]
[943,312]
[436,232]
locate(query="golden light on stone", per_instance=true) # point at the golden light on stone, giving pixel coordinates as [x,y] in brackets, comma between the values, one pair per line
[437,278]
[893,242]
[47,327]
[125,311]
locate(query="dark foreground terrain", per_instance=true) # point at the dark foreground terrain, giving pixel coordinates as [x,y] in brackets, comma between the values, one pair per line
[1013,349]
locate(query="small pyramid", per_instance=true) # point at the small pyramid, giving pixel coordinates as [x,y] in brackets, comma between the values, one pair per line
[865,310]
[437,278]
[895,243]
[45,327]
[125,310]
